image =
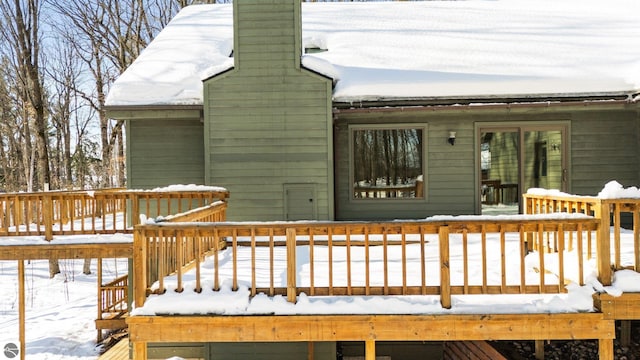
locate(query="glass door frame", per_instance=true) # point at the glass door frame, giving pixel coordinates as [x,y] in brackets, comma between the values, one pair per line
[522,127]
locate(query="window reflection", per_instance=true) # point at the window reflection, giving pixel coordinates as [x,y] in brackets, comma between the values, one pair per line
[388,163]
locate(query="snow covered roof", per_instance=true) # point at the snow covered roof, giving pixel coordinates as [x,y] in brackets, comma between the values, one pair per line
[399,50]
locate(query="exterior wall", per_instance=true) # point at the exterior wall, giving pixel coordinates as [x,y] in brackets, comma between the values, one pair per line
[394,350]
[450,170]
[272,351]
[245,351]
[603,146]
[267,121]
[164,152]
[187,351]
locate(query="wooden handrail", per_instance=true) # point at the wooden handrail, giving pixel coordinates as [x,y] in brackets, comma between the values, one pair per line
[172,252]
[113,297]
[608,211]
[341,240]
[106,211]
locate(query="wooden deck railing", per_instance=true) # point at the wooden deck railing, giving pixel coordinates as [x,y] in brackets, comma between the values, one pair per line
[607,211]
[113,298]
[397,250]
[113,303]
[93,212]
[166,253]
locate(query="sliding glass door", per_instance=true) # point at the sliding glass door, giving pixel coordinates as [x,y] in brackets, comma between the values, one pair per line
[515,159]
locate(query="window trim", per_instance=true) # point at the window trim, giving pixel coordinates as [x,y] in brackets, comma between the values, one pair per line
[388,126]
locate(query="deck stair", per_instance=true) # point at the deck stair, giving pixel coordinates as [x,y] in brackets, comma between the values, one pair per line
[470,350]
[120,351]
[112,305]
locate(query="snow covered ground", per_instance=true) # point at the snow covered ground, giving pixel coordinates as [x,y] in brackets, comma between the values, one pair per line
[60,312]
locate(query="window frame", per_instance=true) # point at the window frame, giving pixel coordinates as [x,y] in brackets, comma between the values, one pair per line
[387,126]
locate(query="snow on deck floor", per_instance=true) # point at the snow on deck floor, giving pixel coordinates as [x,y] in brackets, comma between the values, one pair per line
[228,302]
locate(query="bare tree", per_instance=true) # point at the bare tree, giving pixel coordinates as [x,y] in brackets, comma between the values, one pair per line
[107,35]
[63,72]
[21,32]
[21,29]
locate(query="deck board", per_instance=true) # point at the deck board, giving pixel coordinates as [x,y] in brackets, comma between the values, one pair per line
[119,351]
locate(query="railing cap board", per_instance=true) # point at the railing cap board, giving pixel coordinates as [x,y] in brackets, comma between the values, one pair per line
[581,198]
[184,190]
[472,223]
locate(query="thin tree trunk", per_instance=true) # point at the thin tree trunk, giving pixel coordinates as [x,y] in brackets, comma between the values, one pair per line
[86,267]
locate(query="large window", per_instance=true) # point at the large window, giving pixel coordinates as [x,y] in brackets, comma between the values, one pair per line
[387,163]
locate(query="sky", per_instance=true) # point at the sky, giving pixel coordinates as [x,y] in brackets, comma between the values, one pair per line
[389,50]
[60,312]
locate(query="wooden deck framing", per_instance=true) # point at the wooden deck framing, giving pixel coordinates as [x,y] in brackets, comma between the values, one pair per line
[85,213]
[370,328]
[95,250]
[173,246]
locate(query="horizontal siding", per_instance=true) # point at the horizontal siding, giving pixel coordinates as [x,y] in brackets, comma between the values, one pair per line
[165,152]
[271,98]
[604,147]
[266,36]
[257,83]
[176,350]
[268,122]
[449,175]
[272,351]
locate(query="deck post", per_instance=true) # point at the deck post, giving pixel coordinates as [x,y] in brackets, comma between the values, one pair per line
[370,350]
[139,350]
[605,349]
[21,309]
[139,266]
[47,215]
[625,332]
[135,209]
[603,242]
[291,265]
[445,275]
[99,281]
[636,237]
[539,349]
[310,350]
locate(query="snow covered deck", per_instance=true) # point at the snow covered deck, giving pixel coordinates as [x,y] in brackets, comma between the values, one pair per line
[442,278]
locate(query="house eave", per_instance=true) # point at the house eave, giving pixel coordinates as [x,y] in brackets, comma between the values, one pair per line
[510,103]
[142,112]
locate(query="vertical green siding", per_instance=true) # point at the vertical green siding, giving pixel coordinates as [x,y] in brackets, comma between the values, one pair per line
[164,152]
[267,122]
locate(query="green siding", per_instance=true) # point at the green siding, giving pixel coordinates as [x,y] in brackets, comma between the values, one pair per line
[268,351]
[177,350]
[396,350]
[604,147]
[450,170]
[164,152]
[267,122]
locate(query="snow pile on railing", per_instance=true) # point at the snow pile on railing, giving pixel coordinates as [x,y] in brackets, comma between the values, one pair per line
[612,190]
